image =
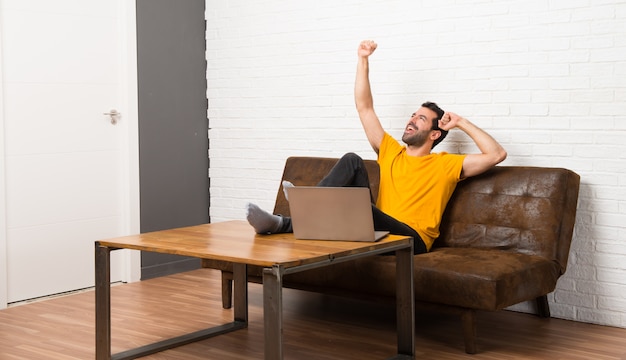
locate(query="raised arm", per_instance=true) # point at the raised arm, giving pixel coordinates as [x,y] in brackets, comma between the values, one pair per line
[363,97]
[492,153]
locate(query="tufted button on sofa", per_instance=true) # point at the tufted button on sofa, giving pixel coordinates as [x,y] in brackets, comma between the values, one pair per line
[505,239]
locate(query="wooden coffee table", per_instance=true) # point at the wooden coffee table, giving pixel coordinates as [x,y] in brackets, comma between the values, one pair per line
[279,255]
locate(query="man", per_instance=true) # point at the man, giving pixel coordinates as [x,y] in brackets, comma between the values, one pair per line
[415,184]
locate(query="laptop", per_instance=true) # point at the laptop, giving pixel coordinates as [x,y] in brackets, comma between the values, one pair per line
[332,213]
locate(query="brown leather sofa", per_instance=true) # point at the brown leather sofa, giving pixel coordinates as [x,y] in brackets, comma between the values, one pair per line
[505,239]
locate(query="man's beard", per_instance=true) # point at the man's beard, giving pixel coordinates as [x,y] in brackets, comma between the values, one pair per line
[417,139]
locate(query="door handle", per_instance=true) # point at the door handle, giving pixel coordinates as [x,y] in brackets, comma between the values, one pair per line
[115,116]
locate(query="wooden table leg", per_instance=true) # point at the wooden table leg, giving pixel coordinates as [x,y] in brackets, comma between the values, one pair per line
[273,312]
[103,302]
[240,293]
[103,313]
[405,297]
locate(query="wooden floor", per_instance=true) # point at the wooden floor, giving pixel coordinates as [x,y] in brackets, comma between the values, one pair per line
[315,327]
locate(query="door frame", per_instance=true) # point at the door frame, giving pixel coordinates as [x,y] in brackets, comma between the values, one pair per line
[131,263]
[4,277]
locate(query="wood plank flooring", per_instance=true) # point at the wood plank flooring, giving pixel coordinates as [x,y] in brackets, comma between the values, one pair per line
[315,327]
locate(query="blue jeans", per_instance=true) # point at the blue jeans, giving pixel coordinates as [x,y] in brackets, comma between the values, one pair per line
[350,171]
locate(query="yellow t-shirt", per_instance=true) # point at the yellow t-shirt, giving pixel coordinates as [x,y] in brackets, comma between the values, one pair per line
[416,190]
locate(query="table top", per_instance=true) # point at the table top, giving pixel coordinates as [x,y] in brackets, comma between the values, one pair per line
[235,241]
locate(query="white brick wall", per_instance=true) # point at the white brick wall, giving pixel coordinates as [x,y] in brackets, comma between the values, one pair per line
[546,78]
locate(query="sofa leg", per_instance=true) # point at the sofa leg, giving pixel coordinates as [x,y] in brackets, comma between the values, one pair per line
[468,318]
[543,309]
[227,290]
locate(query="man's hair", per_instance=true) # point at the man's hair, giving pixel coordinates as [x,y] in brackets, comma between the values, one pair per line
[434,107]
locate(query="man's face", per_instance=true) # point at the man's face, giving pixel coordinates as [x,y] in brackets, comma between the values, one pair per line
[418,128]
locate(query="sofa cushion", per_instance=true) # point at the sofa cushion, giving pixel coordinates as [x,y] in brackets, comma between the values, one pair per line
[482,278]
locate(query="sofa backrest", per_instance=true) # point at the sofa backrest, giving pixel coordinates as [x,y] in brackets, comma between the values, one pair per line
[530,210]
[309,171]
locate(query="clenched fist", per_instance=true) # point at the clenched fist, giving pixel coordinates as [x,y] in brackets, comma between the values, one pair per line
[366,48]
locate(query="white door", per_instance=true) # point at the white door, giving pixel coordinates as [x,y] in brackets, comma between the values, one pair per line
[71,176]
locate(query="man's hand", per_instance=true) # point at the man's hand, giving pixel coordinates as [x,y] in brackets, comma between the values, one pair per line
[366,48]
[491,154]
[449,120]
